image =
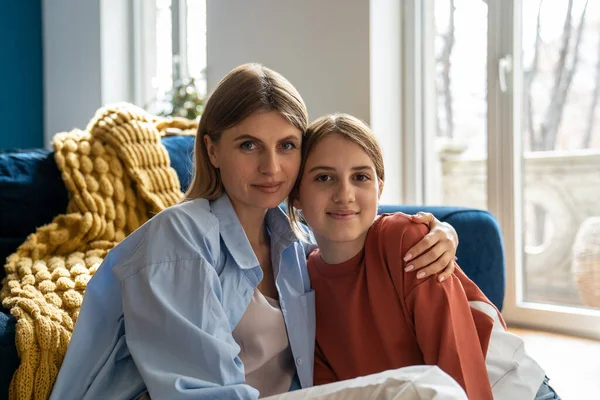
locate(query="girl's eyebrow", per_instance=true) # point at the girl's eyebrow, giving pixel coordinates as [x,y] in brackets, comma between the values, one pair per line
[255,139]
[327,168]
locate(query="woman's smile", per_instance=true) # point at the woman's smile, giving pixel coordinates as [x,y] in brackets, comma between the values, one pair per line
[269,188]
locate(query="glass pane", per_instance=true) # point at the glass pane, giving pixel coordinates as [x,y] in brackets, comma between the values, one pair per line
[561,152]
[461,105]
[163,81]
[196,42]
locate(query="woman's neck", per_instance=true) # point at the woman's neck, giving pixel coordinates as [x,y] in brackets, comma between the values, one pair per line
[253,223]
[339,252]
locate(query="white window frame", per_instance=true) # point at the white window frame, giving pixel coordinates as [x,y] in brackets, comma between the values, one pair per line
[144,37]
[504,160]
[505,192]
[414,124]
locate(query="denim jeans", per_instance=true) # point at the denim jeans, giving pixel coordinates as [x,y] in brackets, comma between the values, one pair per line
[546,392]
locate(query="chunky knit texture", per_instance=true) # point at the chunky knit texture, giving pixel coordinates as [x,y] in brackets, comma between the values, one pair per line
[118,175]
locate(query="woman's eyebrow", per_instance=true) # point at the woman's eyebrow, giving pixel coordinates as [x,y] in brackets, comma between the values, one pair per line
[245,136]
[291,138]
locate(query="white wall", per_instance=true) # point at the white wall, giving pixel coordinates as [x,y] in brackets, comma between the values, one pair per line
[71,39]
[117,50]
[86,60]
[322,47]
[386,92]
[342,55]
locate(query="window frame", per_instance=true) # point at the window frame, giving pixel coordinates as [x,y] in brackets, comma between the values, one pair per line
[504,151]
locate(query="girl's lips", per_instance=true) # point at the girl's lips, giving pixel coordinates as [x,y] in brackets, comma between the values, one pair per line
[342,215]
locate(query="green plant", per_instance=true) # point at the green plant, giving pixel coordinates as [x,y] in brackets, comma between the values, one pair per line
[184,100]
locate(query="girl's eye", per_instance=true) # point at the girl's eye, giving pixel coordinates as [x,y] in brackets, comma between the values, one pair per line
[247,145]
[362,177]
[288,146]
[323,178]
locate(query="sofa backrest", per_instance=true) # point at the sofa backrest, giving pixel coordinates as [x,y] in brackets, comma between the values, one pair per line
[32,194]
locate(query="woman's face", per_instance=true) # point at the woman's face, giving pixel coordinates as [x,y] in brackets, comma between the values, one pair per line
[258,160]
[339,191]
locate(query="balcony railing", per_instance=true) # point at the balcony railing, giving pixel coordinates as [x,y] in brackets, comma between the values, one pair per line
[566,186]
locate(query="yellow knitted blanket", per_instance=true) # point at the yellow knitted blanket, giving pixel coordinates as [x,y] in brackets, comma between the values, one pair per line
[118,175]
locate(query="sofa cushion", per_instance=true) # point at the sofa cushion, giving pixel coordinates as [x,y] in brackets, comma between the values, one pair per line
[32,192]
[181,153]
[31,195]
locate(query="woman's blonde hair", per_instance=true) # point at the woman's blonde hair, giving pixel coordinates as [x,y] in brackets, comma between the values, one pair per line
[348,127]
[245,90]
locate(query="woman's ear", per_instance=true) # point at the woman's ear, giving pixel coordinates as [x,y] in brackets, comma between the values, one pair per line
[211,150]
[380,189]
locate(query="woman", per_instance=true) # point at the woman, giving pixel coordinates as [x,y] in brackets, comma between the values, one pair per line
[211,298]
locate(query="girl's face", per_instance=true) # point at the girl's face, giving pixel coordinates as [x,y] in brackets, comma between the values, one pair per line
[339,191]
[258,160]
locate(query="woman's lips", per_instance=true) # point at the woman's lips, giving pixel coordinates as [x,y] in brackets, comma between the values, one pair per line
[269,188]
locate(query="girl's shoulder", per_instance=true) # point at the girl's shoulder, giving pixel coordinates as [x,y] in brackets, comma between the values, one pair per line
[397,231]
[397,223]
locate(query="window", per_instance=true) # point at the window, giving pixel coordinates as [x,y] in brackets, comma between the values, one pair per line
[516,132]
[170,47]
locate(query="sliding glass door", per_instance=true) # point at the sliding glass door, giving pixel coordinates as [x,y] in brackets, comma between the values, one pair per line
[517,132]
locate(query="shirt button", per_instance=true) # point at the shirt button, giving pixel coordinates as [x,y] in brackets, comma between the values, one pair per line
[298,361]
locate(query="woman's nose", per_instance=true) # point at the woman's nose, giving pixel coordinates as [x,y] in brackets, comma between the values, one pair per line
[269,163]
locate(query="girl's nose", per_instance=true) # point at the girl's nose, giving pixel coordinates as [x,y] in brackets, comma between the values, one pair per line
[344,193]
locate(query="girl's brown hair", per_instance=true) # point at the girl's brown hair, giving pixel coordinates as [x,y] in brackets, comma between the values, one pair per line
[348,127]
[245,90]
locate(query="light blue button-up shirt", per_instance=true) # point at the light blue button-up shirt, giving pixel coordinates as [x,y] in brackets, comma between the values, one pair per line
[158,315]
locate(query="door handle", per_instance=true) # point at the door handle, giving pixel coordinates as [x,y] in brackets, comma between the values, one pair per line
[504,68]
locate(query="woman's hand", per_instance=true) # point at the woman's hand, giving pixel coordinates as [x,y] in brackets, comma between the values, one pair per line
[436,251]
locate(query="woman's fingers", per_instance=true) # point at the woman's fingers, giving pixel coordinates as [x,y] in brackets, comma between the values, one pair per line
[423,218]
[435,253]
[439,265]
[423,246]
[447,273]
[426,259]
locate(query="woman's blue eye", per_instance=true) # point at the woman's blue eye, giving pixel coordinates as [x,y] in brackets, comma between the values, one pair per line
[288,146]
[247,145]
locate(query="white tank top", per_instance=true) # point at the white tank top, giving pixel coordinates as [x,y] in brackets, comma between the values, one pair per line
[265,349]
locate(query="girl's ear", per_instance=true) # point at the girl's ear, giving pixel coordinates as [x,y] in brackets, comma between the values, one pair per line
[380,189]
[211,150]
[297,205]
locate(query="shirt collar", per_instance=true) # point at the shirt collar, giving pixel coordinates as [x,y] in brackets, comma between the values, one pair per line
[235,238]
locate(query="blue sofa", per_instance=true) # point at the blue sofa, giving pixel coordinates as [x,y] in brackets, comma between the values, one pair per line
[32,193]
